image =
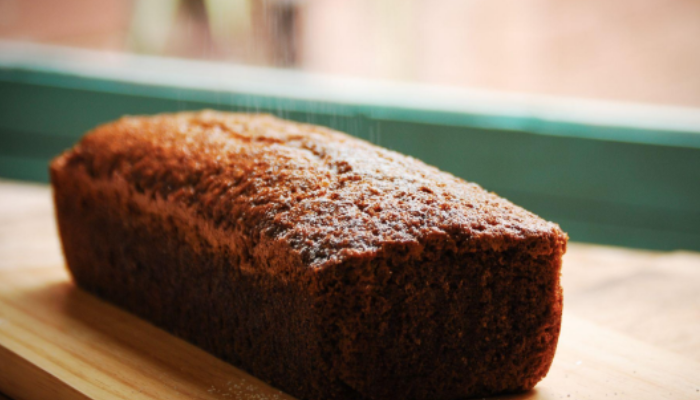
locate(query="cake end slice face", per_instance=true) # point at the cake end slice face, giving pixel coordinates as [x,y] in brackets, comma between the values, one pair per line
[322,264]
[445,321]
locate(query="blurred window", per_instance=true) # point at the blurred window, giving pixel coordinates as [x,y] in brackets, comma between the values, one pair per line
[641,51]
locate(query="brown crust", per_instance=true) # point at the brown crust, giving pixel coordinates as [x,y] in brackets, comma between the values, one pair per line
[330,267]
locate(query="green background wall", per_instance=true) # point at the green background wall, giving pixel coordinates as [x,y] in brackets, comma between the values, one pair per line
[611,185]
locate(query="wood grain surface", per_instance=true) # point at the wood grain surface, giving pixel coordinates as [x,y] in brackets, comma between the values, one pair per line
[57,338]
[630,327]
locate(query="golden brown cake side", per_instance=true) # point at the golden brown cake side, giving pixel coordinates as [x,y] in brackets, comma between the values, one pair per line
[320,263]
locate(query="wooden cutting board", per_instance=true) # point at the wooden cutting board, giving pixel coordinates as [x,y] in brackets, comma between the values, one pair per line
[58,342]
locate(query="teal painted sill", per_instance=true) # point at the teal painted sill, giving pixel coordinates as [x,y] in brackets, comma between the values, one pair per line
[608,173]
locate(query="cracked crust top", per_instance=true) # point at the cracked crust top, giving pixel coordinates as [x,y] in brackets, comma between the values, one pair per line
[326,194]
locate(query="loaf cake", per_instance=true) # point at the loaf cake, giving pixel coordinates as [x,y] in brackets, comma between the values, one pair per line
[322,264]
